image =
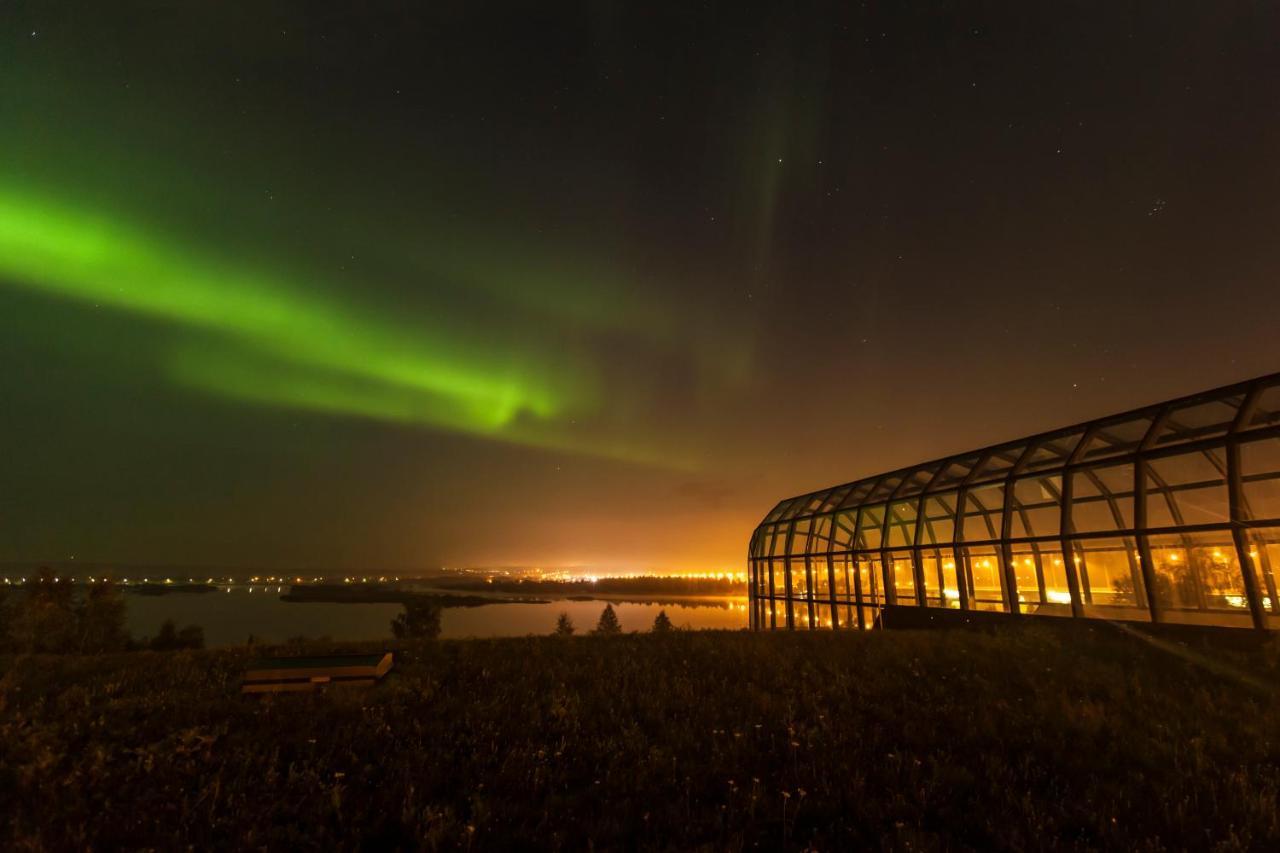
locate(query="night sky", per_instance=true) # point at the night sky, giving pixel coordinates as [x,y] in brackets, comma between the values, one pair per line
[376,284]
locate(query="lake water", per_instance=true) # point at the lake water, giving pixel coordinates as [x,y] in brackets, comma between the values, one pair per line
[230,618]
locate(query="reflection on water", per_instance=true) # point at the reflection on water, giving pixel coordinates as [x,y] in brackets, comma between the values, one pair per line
[230,618]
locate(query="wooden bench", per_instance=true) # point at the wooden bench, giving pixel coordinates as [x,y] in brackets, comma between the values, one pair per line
[287,675]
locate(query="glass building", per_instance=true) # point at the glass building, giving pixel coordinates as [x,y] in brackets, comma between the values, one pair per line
[1169,514]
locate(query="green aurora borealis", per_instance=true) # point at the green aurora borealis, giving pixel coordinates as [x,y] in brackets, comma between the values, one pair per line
[281,345]
[313,284]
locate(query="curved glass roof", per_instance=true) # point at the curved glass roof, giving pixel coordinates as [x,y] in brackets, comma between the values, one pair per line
[1211,415]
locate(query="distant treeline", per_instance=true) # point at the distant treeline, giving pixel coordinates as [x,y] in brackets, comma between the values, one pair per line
[50,615]
[641,585]
[387,594]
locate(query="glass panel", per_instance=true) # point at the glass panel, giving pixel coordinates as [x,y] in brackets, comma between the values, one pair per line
[760,569]
[916,481]
[1116,438]
[857,495]
[902,523]
[1187,489]
[1047,559]
[1260,475]
[834,497]
[799,584]
[941,588]
[904,578]
[778,510]
[800,536]
[1199,420]
[886,487]
[955,472]
[843,532]
[1264,551]
[1198,579]
[778,545]
[777,578]
[939,519]
[985,590]
[794,508]
[810,504]
[1102,498]
[983,511]
[1110,578]
[842,568]
[1037,508]
[818,567]
[1026,561]
[869,527]
[868,584]
[999,463]
[820,535]
[1267,410]
[1053,452]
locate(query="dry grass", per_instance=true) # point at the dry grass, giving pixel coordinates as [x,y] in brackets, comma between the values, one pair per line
[1029,739]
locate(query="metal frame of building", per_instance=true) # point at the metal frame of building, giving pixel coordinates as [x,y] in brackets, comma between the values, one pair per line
[1165,514]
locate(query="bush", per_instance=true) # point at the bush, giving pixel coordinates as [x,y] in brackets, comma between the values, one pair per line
[564,626]
[169,638]
[45,621]
[101,620]
[420,620]
[662,623]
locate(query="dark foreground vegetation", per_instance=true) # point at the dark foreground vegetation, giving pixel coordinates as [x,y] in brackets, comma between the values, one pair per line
[1028,739]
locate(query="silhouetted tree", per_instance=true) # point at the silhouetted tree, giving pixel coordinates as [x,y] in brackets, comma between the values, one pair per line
[191,637]
[46,620]
[662,624]
[169,638]
[564,626]
[420,620]
[6,619]
[166,638]
[608,623]
[100,618]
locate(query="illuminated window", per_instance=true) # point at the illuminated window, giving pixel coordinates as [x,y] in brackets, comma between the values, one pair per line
[1198,579]
[904,578]
[1110,573]
[986,590]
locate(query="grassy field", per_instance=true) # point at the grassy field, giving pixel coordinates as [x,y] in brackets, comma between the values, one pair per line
[1028,739]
